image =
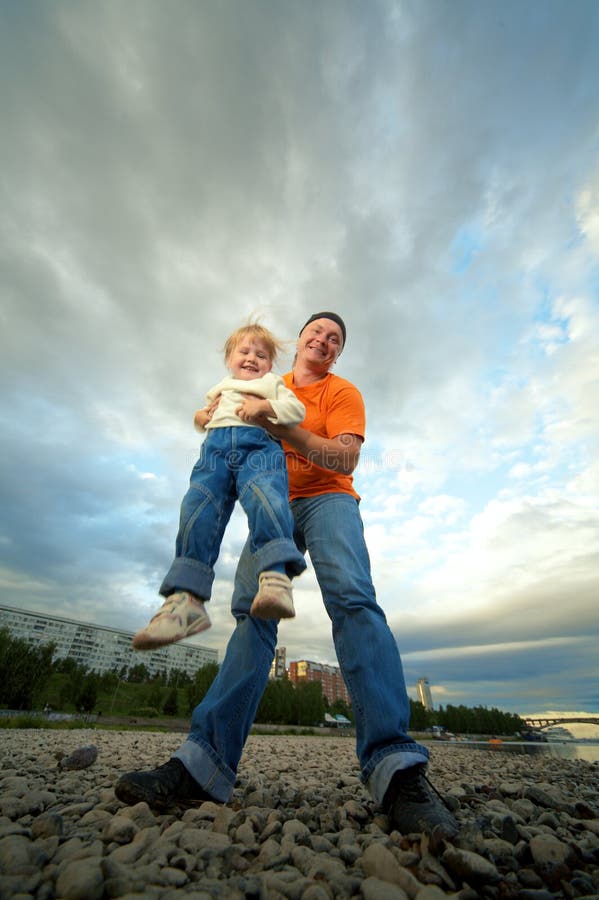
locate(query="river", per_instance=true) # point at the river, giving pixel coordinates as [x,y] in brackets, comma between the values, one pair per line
[588,750]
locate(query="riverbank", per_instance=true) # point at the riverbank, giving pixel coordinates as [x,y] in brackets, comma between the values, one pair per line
[300,826]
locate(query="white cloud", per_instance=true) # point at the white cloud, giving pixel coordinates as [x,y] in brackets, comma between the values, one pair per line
[587,206]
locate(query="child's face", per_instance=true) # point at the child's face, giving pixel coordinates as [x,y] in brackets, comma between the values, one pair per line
[249,359]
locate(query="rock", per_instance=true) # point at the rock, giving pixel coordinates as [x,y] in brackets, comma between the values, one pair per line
[81,880]
[431,892]
[121,829]
[381,863]
[295,830]
[82,758]
[470,866]
[15,854]
[47,824]
[548,849]
[140,814]
[376,889]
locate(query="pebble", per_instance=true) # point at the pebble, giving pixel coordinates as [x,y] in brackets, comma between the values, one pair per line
[81,758]
[300,826]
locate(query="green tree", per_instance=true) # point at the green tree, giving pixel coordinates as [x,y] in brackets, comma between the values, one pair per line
[171,705]
[107,681]
[73,675]
[154,693]
[24,669]
[178,678]
[138,674]
[478,720]
[309,703]
[419,716]
[278,703]
[87,694]
[197,690]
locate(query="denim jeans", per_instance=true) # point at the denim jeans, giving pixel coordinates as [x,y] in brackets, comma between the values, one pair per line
[330,527]
[238,462]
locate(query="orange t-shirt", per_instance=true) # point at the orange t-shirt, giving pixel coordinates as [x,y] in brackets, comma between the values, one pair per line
[333,406]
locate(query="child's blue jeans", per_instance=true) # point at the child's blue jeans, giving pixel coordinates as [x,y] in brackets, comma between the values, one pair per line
[238,462]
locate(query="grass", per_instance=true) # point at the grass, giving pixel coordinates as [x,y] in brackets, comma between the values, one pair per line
[40,721]
[30,720]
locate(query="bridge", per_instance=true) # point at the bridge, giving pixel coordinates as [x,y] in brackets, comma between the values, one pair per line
[546,722]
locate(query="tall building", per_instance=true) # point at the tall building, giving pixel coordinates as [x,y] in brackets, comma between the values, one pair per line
[98,648]
[278,666]
[423,690]
[333,685]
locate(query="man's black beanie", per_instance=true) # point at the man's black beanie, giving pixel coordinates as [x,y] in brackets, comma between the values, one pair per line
[328,315]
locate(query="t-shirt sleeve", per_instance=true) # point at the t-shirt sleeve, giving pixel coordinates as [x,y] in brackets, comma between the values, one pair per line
[346,413]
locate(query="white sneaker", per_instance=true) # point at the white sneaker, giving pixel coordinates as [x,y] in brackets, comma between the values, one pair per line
[181,615]
[274,599]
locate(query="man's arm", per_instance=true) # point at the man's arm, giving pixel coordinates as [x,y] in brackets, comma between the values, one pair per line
[339,454]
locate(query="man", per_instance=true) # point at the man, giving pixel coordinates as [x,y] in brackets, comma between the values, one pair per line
[322,454]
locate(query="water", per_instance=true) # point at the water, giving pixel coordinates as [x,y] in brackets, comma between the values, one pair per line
[587,750]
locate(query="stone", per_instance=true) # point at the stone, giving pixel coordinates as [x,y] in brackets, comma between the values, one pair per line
[296,830]
[121,829]
[47,824]
[470,866]
[374,888]
[81,879]
[81,758]
[15,854]
[381,863]
[548,849]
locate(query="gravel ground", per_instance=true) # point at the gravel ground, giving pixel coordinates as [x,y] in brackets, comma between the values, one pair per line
[300,826]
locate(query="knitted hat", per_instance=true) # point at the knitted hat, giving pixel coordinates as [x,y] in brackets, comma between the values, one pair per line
[328,315]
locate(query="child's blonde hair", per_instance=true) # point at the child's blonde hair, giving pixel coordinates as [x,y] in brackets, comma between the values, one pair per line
[272,344]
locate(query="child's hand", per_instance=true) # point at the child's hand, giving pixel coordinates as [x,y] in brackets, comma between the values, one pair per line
[254,410]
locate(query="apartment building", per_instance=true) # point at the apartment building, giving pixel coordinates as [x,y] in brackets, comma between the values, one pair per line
[333,685]
[99,648]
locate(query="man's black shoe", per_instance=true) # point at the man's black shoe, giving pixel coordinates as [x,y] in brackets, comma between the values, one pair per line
[168,785]
[413,804]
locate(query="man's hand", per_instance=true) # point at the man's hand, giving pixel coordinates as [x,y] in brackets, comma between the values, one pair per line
[203,416]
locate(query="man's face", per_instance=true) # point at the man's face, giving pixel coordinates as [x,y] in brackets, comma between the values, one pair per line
[320,342]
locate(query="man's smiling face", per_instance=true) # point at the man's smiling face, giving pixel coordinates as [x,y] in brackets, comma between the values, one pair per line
[320,342]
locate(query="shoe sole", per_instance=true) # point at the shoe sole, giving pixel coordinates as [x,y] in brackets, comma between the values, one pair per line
[266,610]
[145,641]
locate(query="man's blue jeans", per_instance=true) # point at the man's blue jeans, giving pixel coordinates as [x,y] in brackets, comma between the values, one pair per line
[235,462]
[330,528]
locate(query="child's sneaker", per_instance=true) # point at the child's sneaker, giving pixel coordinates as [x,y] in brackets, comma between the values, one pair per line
[274,599]
[181,615]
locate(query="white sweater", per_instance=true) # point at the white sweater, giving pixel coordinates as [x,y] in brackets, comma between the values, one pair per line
[287,408]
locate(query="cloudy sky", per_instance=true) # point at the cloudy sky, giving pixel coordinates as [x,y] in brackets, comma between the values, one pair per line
[430,170]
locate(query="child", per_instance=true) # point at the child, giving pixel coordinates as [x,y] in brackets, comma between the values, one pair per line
[238,460]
